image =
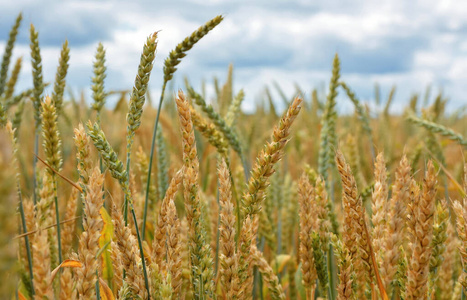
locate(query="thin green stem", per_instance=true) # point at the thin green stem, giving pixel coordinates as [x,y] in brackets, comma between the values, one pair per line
[26,237]
[151,156]
[141,252]
[98,291]
[125,203]
[332,296]
[57,216]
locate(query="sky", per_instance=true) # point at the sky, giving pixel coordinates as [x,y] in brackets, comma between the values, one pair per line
[410,44]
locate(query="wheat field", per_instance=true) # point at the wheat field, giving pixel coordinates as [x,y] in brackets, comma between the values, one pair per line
[184,196]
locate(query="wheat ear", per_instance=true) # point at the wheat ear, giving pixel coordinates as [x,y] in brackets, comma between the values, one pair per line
[418,269]
[228,268]
[8,52]
[308,223]
[354,235]
[89,239]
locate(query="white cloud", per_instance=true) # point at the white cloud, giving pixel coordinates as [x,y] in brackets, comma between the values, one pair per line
[410,44]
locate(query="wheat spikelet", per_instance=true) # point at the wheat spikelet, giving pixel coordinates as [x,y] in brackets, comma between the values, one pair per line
[162,165]
[355,238]
[308,223]
[345,289]
[379,207]
[246,241]
[126,243]
[36,61]
[228,133]
[234,108]
[8,52]
[98,93]
[438,128]
[41,266]
[418,268]
[324,211]
[396,225]
[441,219]
[30,215]
[179,52]
[201,262]
[89,239]
[17,118]
[117,264]
[59,85]
[160,230]
[138,94]
[227,233]
[271,154]
[185,253]
[69,228]
[66,285]
[209,131]
[174,249]
[328,138]
[320,262]
[10,85]
[445,282]
[271,279]
[52,141]
[83,155]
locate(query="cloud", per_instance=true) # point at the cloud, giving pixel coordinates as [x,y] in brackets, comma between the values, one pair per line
[82,22]
[410,44]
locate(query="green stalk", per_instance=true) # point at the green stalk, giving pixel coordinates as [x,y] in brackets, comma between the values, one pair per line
[26,237]
[331,267]
[98,291]
[153,145]
[57,217]
[141,252]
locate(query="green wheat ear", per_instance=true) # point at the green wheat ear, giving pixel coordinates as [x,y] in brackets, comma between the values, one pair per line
[227,131]
[11,83]
[162,165]
[328,138]
[3,116]
[108,154]
[98,93]
[234,108]
[36,61]
[8,52]
[59,85]
[138,95]
[438,128]
[179,52]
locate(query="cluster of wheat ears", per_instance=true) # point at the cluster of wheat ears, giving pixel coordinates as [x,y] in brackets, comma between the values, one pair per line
[359,206]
